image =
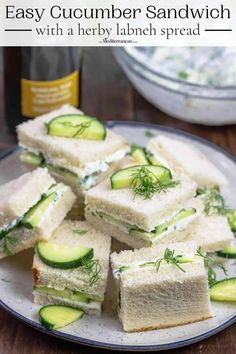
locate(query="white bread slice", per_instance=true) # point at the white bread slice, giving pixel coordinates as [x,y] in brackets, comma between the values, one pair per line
[185,158]
[20,194]
[211,233]
[145,213]
[170,297]
[24,238]
[66,152]
[94,308]
[76,279]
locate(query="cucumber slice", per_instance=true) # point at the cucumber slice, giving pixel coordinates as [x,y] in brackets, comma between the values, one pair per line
[153,160]
[65,294]
[77,126]
[35,214]
[31,158]
[124,178]
[139,155]
[141,234]
[183,214]
[224,290]
[57,316]
[63,256]
[68,176]
[229,252]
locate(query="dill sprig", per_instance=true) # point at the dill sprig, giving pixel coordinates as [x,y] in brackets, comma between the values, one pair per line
[145,183]
[92,268]
[212,278]
[214,202]
[81,127]
[170,258]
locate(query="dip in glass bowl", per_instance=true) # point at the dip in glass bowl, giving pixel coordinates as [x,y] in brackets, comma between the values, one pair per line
[196,84]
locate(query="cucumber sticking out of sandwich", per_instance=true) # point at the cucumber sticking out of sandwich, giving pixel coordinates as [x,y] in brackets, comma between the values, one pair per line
[143,157]
[57,316]
[63,256]
[224,290]
[153,160]
[77,126]
[138,153]
[229,252]
[125,178]
[31,158]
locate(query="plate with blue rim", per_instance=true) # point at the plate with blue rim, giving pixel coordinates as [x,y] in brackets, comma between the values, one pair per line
[106,331]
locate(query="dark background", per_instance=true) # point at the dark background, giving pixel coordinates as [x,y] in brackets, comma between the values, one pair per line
[107,94]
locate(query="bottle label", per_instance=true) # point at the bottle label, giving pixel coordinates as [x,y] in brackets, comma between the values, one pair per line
[39,97]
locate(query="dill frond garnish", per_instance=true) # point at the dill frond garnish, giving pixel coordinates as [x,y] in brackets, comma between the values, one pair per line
[81,127]
[212,278]
[145,183]
[92,268]
[170,258]
[214,202]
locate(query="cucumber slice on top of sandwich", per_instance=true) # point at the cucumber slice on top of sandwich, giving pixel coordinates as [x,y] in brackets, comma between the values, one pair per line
[57,316]
[124,178]
[62,256]
[77,126]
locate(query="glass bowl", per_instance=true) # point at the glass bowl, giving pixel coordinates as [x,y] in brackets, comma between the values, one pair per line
[208,105]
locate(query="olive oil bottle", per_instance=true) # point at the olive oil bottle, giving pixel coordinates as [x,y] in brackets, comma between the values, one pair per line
[38,80]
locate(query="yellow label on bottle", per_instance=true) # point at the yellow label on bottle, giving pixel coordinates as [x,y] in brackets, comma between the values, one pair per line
[39,97]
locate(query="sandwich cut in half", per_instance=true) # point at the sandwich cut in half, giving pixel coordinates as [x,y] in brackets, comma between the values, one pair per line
[161,287]
[77,149]
[142,206]
[31,208]
[186,159]
[72,268]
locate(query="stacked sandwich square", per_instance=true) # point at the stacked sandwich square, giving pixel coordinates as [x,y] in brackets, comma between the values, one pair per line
[79,162]
[140,222]
[31,208]
[154,292]
[72,267]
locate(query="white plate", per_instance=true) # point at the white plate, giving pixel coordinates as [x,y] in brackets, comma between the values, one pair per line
[106,332]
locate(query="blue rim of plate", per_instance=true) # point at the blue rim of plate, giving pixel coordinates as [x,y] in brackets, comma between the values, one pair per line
[102,345]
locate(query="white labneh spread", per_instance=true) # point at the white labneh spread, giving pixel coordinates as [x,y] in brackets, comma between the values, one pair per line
[89,168]
[198,65]
[135,266]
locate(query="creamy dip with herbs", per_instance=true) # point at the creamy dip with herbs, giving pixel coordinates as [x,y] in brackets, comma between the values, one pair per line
[199,65]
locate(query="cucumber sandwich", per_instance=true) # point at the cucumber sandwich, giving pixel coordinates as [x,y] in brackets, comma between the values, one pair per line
[212,230]
[186,159]
[161,287]
[77,149]
[72,268]
[31,208]
[142,205]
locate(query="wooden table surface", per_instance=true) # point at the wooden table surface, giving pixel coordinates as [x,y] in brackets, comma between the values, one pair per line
[106,93]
